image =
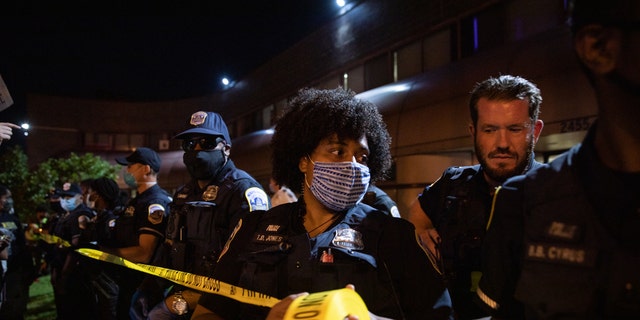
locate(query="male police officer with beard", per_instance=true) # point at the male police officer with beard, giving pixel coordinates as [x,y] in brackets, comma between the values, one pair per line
[206,209]
[504,127]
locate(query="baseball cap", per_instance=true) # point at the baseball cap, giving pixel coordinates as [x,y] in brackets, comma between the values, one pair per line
[209,123]
[144,156]
[69,190]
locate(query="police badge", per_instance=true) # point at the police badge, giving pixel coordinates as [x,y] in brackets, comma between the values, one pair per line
[211,193]
[348,238]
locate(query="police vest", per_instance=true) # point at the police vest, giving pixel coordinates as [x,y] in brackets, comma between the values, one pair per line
[462,218]
[572,266]
[279,260]
[198,227]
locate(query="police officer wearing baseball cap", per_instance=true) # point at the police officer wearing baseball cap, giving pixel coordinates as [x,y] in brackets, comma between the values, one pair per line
[72,297]
[218,195]
[140,229]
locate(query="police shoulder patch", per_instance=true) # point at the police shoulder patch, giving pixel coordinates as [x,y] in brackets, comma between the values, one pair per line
[156,213]
[257,199]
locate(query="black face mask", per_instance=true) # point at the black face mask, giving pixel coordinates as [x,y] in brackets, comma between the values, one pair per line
[204,165]
[8,206]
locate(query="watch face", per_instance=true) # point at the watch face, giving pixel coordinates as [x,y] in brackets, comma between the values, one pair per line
[180,306]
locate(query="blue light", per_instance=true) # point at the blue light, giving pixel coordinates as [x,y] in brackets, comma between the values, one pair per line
[475,33]
[341,3]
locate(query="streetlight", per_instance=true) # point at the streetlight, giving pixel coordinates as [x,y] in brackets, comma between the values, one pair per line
[25,128]
[227,83]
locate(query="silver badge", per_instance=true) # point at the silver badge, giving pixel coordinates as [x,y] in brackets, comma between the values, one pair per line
[348,238]
[211,193]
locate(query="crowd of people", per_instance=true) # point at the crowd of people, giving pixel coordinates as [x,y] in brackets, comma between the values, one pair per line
[508,238]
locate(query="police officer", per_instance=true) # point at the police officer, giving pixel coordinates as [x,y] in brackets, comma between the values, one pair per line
[205,210]
[564,240]
[140,229]
[72,292]
[504,127]
[328,238]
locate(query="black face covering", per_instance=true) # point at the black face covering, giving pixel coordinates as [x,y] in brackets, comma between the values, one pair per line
[204,165]
[8,206]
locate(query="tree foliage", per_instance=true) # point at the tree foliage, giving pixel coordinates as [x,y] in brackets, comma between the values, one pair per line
[30,188]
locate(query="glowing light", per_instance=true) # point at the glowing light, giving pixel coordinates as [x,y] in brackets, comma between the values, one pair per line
[341,3]
[225,81]
[25,127]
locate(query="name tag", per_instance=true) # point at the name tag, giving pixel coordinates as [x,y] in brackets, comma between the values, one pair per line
[560,254]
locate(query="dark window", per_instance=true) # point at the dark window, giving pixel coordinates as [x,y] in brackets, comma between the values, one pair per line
[485,29]
[377,72]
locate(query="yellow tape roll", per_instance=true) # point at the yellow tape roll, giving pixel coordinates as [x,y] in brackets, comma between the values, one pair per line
[328,305]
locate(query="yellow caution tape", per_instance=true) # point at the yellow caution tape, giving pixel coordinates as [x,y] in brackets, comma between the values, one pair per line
[189,280]
[333,304]
[51,239]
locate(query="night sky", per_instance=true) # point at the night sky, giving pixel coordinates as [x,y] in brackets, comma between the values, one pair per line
[148,58]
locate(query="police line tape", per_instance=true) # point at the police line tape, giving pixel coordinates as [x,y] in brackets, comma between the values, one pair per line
[189,280]
[333,304]
[51,239]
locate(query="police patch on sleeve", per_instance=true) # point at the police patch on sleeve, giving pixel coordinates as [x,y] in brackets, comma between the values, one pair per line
[156,213]
[257,199]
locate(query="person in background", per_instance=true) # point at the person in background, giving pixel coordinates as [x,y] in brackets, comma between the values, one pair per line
[140,229]
[452,213]
[205,209]
[281,194]
[85,186]
[6,237]
[328,145]
[18,275]
[104,194]
[72,293]
[36,226]
[380,200]
[6,130]
[564,238]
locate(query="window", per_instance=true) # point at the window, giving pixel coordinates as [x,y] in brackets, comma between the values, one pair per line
[377,72]
[483,30]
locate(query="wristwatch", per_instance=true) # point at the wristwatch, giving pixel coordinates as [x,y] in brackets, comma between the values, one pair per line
[179,304]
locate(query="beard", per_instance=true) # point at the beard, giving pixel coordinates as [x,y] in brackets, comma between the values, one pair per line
[501,173]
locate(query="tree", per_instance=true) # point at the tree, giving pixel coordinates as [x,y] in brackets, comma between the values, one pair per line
[30,189]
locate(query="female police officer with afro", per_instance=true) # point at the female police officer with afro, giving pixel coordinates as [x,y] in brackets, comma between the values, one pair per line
[329,146]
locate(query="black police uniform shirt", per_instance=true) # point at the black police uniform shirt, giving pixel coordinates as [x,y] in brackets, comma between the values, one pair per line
[145,214]
[68,228]
[579,256]
[202,218]
[380,200]
[271,253]
[458,205]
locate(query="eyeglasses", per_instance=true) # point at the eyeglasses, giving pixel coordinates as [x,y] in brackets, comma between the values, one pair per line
[206,143]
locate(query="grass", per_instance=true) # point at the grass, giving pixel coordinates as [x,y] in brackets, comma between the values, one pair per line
[41,305]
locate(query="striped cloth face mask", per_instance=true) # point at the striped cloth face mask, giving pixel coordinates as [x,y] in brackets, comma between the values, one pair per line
[339,185]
